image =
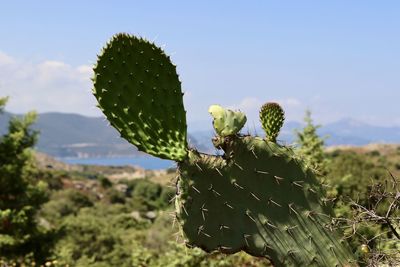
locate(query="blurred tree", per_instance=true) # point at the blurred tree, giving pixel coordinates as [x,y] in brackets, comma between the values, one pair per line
[21,194]
[311,146]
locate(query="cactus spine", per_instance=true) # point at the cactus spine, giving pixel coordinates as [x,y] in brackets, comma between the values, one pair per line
[257,197]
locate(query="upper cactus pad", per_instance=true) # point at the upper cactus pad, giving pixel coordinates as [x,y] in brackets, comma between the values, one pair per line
[138,90]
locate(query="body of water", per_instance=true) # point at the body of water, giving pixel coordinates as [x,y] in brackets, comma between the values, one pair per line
[147,162]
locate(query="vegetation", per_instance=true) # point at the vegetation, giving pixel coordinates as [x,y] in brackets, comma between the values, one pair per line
[364,194]
[21,194]
[78,221]
[310,145]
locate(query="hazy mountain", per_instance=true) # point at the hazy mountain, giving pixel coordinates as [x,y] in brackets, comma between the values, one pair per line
[72,135]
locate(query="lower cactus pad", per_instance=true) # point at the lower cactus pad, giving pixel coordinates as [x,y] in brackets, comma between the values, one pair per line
[259,199]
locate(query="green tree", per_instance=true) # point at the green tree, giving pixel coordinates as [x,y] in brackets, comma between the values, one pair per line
[311,146]
[21,194]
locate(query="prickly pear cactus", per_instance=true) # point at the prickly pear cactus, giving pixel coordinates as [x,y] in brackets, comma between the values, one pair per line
[257,197]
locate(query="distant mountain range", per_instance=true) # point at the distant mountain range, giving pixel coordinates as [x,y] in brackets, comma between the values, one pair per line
[73,135]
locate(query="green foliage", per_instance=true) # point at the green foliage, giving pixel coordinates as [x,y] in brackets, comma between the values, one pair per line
[105,183]
[362,188]
[258,197]
[21,195]
[64,203]
[3,102]
[103,235]
[311,146]
[351,175]
[147,195]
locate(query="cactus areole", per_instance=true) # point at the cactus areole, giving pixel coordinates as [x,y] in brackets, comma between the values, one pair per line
[257,197]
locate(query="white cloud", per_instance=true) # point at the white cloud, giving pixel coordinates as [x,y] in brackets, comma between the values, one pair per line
[247,105]
[5,59]
[46,86]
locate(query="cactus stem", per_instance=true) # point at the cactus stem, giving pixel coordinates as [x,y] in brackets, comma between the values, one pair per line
[195,189]
[237,165]
[273,202]
[257,198]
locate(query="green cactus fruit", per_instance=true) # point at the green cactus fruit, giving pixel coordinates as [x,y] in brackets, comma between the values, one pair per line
[138,90]
[226,122]
[272,117]
[257,197]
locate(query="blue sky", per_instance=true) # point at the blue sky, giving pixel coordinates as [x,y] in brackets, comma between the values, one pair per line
[341,59]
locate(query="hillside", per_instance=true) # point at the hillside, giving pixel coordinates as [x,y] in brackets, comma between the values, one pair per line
[73,135]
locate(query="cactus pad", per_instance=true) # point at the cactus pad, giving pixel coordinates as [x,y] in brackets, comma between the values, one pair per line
[138,90]
[272,117]
[258,198]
